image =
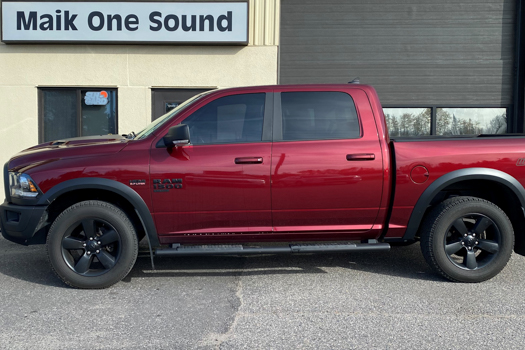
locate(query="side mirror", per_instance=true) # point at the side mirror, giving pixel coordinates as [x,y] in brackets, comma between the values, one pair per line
[178,135]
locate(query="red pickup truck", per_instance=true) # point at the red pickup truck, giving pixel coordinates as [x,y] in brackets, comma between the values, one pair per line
[231,170]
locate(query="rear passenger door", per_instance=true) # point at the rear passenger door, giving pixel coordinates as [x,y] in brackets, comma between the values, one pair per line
[327,169]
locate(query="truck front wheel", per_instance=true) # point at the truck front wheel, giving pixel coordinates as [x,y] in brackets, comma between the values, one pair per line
[92,244]
[467,239]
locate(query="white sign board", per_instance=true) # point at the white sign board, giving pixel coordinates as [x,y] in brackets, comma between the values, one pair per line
[125,22]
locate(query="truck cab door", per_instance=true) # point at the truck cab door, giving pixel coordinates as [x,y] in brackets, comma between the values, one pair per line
[327,170]
[219,184]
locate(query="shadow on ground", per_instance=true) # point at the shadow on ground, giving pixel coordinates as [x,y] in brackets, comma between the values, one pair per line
[404,262]
[30,264]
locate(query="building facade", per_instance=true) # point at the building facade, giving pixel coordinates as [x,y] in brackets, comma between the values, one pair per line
[440,67]
[44,87]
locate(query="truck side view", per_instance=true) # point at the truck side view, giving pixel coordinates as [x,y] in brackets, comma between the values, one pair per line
[231,170]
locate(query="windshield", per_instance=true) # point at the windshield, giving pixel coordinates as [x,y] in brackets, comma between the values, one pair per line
[163,119]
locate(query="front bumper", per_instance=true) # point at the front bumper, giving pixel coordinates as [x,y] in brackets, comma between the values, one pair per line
[23,224]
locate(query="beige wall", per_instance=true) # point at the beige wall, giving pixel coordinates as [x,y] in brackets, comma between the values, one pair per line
[133,69]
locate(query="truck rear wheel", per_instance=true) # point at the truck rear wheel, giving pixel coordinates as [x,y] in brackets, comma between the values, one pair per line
[92,244]
[467,239]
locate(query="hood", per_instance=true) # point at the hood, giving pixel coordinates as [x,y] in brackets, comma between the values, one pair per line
[87,146]
[82,141]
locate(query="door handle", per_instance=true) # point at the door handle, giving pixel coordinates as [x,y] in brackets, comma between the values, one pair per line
[360,156]
[249,160]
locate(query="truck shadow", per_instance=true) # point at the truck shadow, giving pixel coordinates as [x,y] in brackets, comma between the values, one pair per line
[30,264]
[403,262]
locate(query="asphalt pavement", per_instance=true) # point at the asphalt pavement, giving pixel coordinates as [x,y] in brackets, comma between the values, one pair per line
[387,300]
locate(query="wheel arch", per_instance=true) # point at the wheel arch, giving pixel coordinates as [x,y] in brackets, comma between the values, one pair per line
[467,182]
[111,190]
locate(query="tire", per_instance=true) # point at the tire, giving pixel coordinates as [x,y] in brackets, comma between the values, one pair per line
[92,245]
[467,239]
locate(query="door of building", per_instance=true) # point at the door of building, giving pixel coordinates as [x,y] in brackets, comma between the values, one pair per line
[415,53]
[164,100]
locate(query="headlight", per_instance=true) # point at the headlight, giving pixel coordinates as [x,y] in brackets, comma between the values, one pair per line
[22,186]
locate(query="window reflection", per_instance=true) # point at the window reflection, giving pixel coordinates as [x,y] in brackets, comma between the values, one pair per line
[408,121]
[319,115]
[230,119]
[99,118]
[72,112]
[471,121]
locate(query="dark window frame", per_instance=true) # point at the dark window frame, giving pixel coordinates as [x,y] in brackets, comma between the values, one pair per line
[266,122]
[433,115]
[278,119]
[78,90]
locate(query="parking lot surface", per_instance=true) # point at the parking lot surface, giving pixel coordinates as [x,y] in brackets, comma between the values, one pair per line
[389,300]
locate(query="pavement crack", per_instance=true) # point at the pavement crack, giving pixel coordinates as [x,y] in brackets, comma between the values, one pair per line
[237,306]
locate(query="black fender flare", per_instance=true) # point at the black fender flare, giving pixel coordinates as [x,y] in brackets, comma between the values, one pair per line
[453,177]
[116,187]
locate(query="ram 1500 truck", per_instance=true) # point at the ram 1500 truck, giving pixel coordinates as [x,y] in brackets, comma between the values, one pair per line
[229,171]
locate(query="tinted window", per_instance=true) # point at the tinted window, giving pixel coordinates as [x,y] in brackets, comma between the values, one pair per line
[318,116]
[59,114]
[72,112]
[231,119]
[98,118]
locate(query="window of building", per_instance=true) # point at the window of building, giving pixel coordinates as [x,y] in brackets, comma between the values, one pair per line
[231,119]
[72,112]
[471,121]
[406,122]
[322,115]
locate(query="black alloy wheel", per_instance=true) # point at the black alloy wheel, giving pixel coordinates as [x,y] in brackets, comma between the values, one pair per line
[91,247]
[472,241]
[92,244]
[467,239]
